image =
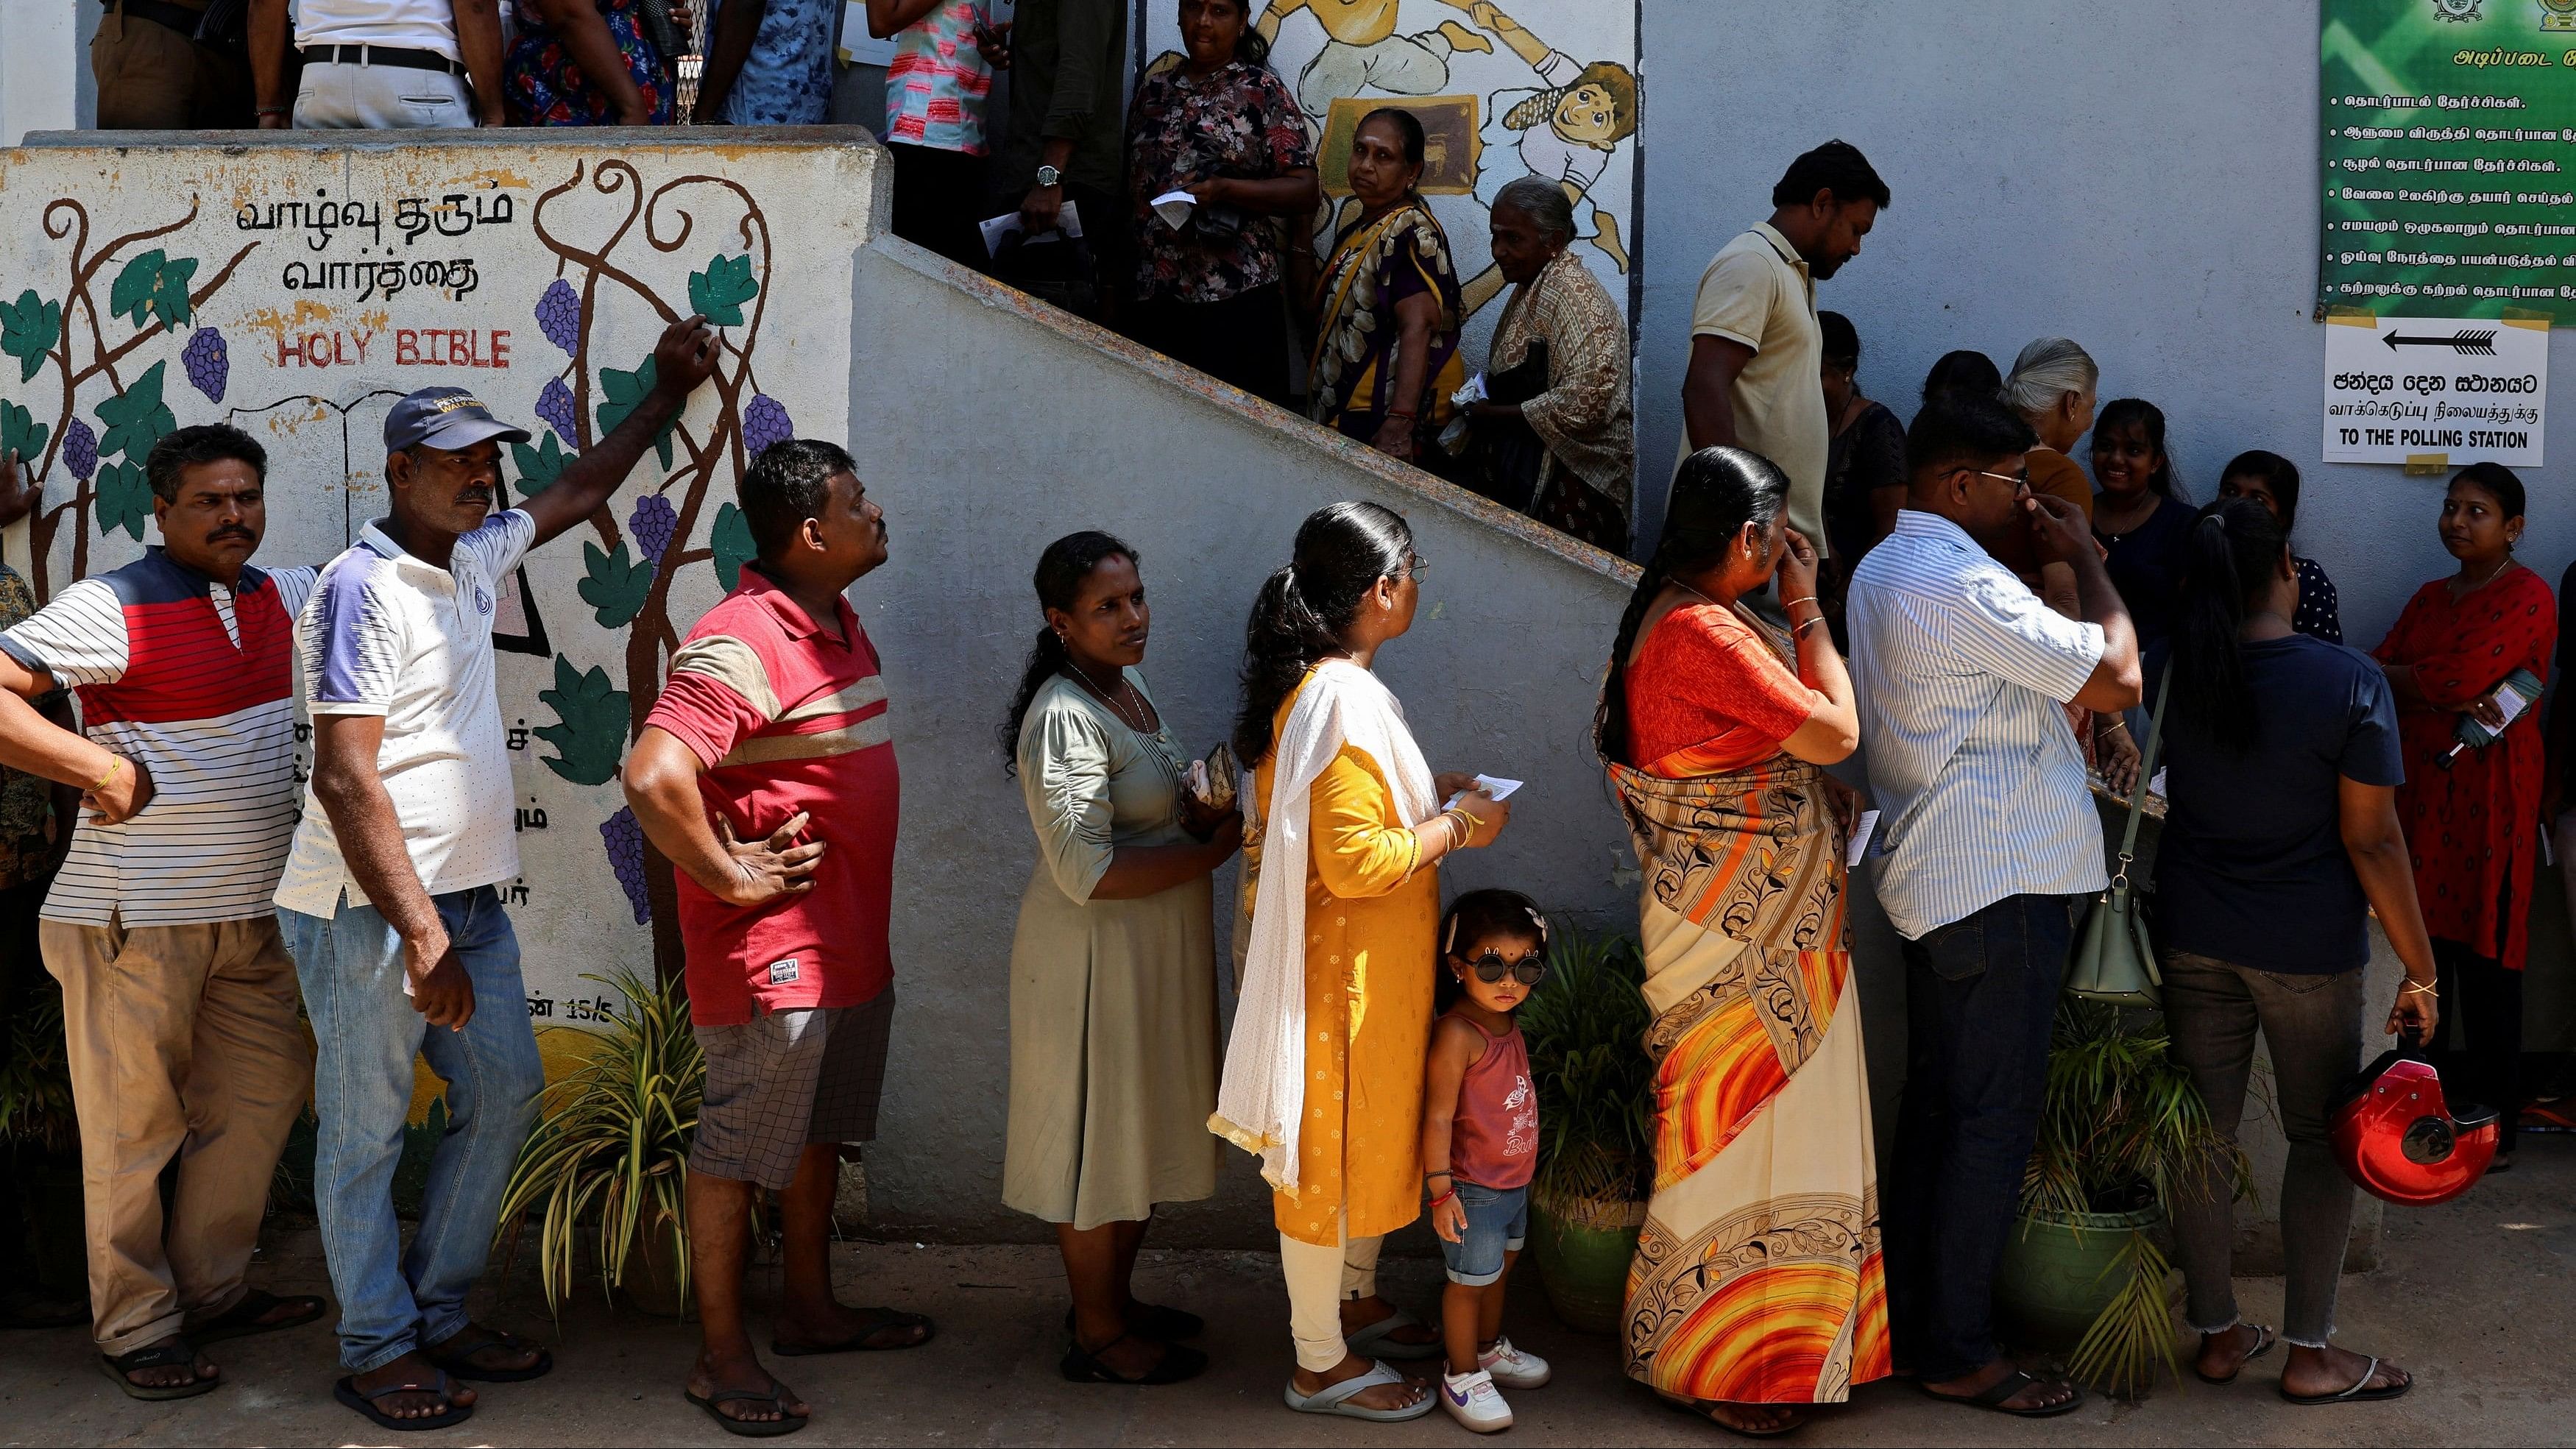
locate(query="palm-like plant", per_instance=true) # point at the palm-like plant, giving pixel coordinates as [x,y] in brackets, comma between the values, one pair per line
[1584,1025]
[36,1079]
[2122,1126]
[610,1154]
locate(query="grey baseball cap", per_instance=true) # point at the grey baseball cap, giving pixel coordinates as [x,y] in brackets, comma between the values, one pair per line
[444,417]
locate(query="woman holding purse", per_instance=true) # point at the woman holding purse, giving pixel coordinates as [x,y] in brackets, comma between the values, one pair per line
[2281,834]
[1113,967]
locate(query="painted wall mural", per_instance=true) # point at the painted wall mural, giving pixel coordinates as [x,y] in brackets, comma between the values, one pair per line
[1504,89]
[296,291]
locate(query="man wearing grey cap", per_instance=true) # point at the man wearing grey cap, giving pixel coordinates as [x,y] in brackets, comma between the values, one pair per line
[388,903]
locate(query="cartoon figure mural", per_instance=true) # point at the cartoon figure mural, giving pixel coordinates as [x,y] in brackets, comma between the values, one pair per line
[296,291]
[1548,88]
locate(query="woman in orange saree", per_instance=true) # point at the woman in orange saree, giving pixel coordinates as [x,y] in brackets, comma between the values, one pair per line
[1756,1288]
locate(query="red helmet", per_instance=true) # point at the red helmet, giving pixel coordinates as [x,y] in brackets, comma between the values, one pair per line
[2397,1139]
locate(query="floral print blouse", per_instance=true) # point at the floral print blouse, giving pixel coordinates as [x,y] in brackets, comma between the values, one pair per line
[1240,122]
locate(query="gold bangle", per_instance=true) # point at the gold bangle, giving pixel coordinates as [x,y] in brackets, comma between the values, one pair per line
[1811,623]
[114,763]
[1793,603]
[1466,824]
[2419,986]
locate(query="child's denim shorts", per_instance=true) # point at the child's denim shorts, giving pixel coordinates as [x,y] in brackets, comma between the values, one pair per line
[1497,1223]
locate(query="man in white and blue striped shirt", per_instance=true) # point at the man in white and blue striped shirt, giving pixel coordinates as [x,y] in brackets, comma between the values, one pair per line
[1989,848]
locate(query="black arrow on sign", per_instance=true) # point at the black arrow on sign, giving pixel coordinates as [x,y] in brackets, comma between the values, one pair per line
[2478,344]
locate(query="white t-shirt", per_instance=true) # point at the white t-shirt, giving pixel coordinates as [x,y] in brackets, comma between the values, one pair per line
[398,24]
[389,634]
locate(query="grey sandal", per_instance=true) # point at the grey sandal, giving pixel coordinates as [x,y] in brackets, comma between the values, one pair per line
[1336,1398]
[1378,1339]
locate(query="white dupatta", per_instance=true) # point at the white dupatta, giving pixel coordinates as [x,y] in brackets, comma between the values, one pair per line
[1263,1093]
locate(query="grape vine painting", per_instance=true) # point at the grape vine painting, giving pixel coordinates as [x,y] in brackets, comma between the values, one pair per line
[297,290]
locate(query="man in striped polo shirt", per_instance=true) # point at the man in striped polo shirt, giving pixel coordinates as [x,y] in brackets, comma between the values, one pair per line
[765,773]
[178,998]
[387,902]
[1988,850]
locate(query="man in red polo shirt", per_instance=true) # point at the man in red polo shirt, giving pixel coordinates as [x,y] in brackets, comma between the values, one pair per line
[766,774]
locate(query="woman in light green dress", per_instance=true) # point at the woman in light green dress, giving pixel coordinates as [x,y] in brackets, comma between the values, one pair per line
[1113,969]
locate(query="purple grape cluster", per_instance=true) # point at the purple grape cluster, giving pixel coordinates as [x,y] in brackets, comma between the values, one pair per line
[554,405]
[625,841]
[209,362]
[80,449]
[559,315]
[765,422]
[653,523]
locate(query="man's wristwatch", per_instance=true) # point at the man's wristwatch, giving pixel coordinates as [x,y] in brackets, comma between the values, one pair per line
[1050,176]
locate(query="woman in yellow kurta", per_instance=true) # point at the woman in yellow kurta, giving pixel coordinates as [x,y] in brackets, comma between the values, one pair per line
[1323,1075]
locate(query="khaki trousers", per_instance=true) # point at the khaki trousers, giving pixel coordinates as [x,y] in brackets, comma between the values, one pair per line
[152,78]
[183,1041]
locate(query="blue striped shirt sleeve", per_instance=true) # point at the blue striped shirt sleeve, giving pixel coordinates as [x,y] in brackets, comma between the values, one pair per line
[2005,628]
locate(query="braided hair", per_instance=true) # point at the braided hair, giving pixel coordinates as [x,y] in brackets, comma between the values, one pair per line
[1298,618]
[1060,572]
[1718,491]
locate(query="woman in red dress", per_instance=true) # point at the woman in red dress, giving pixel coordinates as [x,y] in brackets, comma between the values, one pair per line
[2473,821]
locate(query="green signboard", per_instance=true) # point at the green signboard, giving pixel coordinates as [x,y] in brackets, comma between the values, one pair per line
[2450,158]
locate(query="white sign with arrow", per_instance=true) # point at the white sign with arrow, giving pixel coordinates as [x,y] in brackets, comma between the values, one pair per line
[2435,393]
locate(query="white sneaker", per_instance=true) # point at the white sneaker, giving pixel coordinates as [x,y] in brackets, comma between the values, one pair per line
[1472,1400]
[1514,1368]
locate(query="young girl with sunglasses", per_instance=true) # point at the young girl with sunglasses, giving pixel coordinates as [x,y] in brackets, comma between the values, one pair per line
[1480,1145]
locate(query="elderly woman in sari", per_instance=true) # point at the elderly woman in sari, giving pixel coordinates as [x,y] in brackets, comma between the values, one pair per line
[1558,379]
[1386,309]
[1757,1287]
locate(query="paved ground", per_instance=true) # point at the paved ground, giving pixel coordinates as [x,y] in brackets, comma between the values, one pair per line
[2480,1301]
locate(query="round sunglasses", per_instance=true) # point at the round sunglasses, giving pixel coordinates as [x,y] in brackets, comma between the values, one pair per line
[1491,967]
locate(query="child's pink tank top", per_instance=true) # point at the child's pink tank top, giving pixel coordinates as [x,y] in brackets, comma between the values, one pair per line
[1493,1140]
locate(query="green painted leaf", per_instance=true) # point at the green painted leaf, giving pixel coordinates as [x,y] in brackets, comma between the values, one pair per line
[592,736]
[124,498]
[20,433]
[153,284]
[720,290]
[27,328]
[136,418]
[621,393]
[540,466]
[731,541]
[616,586]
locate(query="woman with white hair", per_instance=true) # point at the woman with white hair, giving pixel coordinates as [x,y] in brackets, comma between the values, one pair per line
[2052,386]
[1555,436]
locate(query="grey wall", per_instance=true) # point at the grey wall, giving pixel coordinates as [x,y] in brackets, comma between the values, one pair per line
[2141,178]
[990,425]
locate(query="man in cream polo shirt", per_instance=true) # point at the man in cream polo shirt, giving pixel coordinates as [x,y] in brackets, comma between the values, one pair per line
[388,903]
[1756,376]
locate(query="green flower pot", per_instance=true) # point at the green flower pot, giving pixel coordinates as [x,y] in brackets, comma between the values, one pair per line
[2059,1272]
[653,1274]
[1583,1266]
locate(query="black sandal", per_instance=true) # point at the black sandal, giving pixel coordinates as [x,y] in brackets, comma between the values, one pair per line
[1702,1410]
[171,1352]
[243,1319]
[1179,1363]
[1153,1320]
[776,1398]
[2264,1338]
[347,1392]
[885,1318]
[2004,1388]
[2359,1393]
[459,1362]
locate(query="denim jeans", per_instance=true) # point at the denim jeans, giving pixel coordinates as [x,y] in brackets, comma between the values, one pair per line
[2312,1023]
[366,1033]
[1980,994]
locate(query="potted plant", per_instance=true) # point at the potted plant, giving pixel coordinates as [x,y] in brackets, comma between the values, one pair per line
[2119,1131]
[41,1137]
[609,1158]
[1585,1025]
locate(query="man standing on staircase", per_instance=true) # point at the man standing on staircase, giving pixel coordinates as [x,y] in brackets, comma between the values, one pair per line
[1757,351]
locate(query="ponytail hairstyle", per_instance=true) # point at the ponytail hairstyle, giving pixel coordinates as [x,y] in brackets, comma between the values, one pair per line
[1299,616]
[1718,491]
[1473,917]
[1058,579]
[2121,414]
[2276,473]
[2230,559]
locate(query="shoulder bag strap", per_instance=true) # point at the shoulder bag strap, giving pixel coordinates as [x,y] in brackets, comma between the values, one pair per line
[2146,768]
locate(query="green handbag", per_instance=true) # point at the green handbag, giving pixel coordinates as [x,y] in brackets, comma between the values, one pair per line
[2115,961]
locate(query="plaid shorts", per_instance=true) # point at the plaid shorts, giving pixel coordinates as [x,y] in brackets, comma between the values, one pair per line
[785,1079]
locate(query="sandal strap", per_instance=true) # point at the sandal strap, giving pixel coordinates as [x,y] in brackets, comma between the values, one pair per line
[439,1388]
[2367,1374]
[168,1353]
[776,1396]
